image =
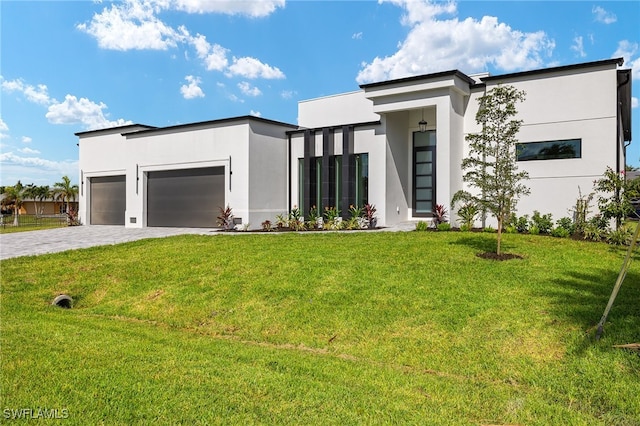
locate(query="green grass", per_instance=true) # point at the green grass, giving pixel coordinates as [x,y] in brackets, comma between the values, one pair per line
[29,222]
[339,328]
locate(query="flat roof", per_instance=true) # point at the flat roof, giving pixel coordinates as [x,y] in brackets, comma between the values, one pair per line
[212,122]
[615,61]
[116,129]
[452,73]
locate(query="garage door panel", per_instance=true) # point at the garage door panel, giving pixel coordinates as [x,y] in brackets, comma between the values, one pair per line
[108,200]
[185,198]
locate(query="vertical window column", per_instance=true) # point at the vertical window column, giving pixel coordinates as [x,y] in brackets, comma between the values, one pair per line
[309,151]
[328,170]
[348,170]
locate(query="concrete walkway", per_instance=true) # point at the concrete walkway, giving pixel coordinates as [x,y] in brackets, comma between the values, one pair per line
[32,243]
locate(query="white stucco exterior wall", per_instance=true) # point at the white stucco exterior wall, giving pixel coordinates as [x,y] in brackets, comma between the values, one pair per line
[254,152]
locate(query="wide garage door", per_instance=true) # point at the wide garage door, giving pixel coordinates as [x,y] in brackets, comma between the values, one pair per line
[108,197]
[185,198]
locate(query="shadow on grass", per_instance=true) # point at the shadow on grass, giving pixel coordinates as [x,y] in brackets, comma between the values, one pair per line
[581,298]
[483,243]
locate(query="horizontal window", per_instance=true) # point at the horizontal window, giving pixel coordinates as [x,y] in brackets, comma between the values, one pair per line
[549,150]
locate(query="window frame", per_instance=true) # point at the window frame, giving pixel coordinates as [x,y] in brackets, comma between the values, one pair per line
[550,143]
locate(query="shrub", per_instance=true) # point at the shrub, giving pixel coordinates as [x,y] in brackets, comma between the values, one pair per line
[621,236]
[560,232]
[520,223]
[444,226]
[567,224]
[596,229]
[439,214]
[511,229]
[266,225]
[370,215]
[465,228]
[534,230]
[282,221]
[332,219]
[312,219]
[421,225]
[489,229]
[225,218]
[544,223]
[468,213]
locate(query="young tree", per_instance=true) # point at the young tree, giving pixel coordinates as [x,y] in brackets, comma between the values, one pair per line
[615,195]
[491,166]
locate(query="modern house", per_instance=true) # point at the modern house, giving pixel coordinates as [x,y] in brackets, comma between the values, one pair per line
[397,144]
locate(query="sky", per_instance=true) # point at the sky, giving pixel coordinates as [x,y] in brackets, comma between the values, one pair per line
[72,66]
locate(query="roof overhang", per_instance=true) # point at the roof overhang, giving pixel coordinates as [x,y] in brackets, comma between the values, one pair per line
[416,92]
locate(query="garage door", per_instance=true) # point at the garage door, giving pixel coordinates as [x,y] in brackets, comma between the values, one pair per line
[185,198]
[108,197]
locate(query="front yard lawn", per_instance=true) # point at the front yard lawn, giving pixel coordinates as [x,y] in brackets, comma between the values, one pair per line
[338,328]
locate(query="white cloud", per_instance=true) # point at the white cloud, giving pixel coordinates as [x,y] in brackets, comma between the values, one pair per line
[16,167]
[634,102]
[28,151]
[134,24]
[36,94]
[254,9]
[578,46]
[234,98]
[603,16]
[3,128]
[249,90]
[627,50]
[192,90]
[288,94]
[357,36]
[214,56]
[81,111]
[26,139]
[248,67]
[471,45]
[255,113]
[131,25]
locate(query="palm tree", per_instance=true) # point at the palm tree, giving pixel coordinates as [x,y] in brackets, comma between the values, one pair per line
[37,194]
[65,191]
[15,195]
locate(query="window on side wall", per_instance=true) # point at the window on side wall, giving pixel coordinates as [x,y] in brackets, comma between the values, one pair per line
[549,150]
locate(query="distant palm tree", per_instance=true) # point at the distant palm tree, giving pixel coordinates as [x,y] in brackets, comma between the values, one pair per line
[65,191]
[14,195]
[38,194]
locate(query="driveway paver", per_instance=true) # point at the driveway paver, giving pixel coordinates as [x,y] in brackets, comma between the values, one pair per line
[31,243]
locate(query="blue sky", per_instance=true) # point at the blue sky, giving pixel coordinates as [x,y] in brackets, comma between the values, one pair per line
[70,66]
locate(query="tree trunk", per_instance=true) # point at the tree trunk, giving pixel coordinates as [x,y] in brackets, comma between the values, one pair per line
[500,220]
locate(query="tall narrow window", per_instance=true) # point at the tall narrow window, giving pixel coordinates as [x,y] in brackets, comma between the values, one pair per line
[302,207]
[362,179]
[424,173]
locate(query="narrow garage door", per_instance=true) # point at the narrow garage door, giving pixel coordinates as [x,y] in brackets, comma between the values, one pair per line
[185,198]
[108,198]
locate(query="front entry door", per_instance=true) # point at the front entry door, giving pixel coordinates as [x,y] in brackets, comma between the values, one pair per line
[424,173]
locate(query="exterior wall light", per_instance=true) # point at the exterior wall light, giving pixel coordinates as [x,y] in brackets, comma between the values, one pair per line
[422,123]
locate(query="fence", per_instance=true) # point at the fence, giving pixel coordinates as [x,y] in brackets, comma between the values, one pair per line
[33,220]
